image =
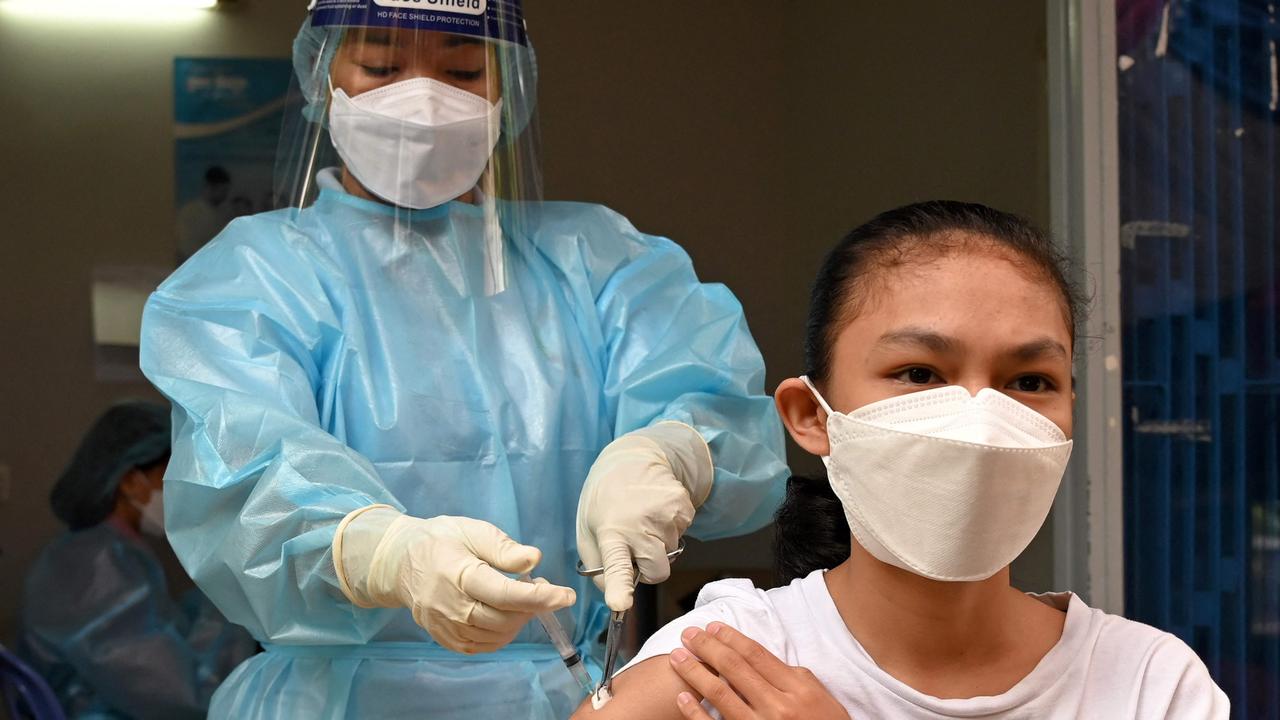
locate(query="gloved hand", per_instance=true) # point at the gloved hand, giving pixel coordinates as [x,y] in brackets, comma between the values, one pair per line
[639,498]
[445,570]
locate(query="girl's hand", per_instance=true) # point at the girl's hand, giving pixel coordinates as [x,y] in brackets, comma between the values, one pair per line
[753,684]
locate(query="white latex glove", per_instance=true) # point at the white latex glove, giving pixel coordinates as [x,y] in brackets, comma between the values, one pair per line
[639,498]
[445,570]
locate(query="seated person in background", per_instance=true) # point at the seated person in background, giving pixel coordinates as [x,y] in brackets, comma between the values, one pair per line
[939,395]
[97,619]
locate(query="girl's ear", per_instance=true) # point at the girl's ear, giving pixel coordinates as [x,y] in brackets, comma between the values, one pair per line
[803,416]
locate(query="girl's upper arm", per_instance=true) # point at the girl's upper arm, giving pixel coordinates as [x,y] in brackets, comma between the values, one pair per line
[647,689]
[645,692]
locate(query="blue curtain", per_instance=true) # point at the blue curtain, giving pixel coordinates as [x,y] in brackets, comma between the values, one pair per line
[1201,320]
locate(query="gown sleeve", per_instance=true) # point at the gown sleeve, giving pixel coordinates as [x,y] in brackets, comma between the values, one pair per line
[679,349]
[238,339]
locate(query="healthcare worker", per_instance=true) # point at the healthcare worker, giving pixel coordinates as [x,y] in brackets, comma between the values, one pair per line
[97,620]
[420,381]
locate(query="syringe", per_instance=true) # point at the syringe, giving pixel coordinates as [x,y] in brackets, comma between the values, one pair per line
[560,639]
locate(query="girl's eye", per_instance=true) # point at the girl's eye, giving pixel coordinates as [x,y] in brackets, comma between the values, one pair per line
[378,71]
[1031,384]
[918,376]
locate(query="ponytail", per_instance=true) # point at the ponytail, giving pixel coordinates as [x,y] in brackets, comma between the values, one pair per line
[810,531]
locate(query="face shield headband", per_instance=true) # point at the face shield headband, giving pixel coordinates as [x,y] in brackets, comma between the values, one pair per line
[500,20]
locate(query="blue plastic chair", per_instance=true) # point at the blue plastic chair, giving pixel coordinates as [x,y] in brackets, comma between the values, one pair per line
[26,695]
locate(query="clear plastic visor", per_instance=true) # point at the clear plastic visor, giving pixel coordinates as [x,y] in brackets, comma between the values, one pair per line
[413,119]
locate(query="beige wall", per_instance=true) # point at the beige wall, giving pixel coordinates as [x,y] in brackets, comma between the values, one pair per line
[754,137]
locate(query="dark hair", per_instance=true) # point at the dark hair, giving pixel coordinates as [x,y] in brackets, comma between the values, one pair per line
[152,465]
[132,434]
[811,531]
[216,175]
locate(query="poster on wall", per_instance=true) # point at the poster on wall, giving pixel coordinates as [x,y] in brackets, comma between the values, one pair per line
[227,118]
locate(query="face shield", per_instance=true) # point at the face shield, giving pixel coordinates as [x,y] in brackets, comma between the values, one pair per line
[425,107]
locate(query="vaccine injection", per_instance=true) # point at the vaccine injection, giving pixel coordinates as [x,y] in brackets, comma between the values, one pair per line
[568,652]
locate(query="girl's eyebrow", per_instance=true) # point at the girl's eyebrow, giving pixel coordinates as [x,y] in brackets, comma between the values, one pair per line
[917,337]
[1040,348]
[921,337]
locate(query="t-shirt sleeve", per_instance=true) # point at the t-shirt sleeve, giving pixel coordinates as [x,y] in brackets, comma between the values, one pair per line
[1177,685]
[736,603]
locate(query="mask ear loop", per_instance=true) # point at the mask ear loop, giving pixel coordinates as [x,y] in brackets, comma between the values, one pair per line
[817,395]
[826,459]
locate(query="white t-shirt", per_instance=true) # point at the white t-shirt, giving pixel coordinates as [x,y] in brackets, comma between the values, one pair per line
[1103,667]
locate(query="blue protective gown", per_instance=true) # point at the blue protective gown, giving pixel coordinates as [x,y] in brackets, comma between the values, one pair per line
[98,623]
[324,359]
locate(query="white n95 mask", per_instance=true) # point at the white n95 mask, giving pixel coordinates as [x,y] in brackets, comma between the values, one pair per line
[152,515]
[943,484]
[416,143]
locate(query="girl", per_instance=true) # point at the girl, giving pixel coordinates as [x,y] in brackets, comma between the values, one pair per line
[939,394]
